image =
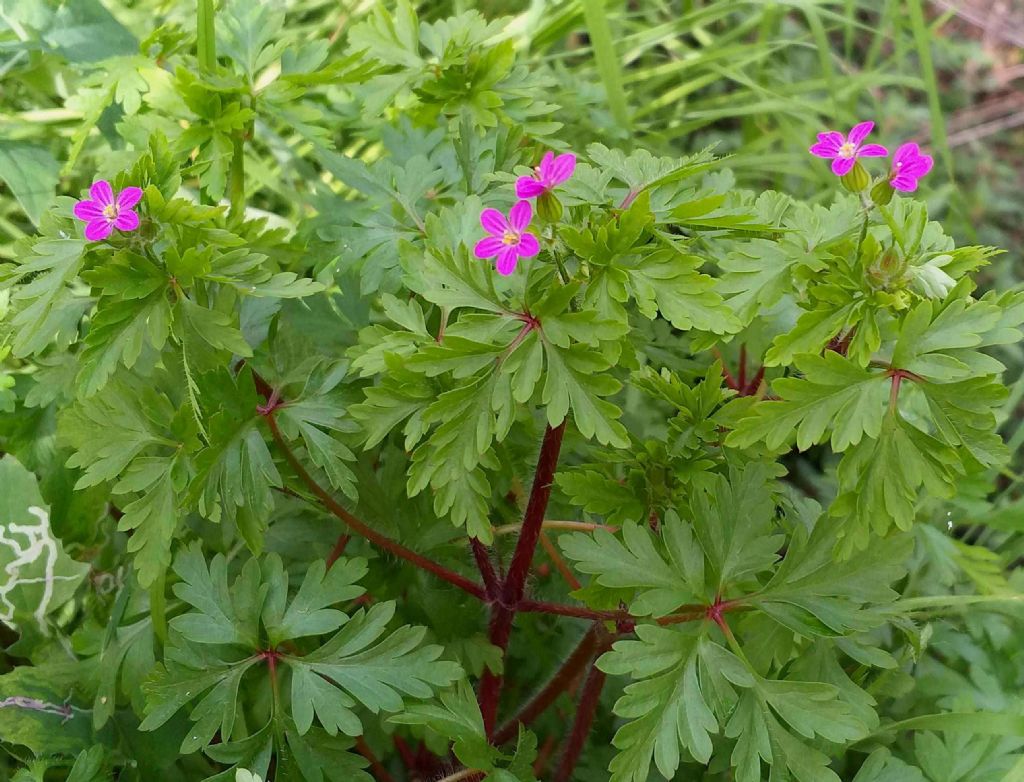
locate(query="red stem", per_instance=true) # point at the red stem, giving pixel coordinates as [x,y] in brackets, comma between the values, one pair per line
[338,550]
[755,383]
[503,611]
[561,609]
[381,773]
[560,681]
[742,380]
[405,753]
[483,561]
[730,381]
[359,527]
[585,711]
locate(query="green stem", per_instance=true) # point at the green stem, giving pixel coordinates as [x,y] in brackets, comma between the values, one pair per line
[206,41]
[236,176]
[863,232]
[158,607]
[562,271]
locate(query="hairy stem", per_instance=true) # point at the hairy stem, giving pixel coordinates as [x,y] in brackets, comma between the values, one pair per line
[360,528]
[338,550]
[567,673]
[483,561]
[503,611]
[585,711]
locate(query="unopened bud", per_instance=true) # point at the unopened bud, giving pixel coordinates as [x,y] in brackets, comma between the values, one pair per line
[549,208]
[856,179]
[881,193]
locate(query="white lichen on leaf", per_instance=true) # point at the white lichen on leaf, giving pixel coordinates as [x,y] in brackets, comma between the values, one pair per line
[36,576]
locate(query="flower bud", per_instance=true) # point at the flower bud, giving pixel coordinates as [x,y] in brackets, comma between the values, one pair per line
[549,208]
[881,193]
[856,179]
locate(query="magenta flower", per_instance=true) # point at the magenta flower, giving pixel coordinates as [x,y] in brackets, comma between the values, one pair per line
[551,172]
[909,165]
[508,237]
[844,151]
[103,213]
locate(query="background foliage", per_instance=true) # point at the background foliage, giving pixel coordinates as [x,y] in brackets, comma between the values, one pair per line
[802,579]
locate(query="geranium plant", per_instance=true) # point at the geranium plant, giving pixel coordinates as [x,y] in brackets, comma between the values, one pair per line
[463,446]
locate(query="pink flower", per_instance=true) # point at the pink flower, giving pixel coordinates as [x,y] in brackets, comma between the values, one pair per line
[551,172]
[844,151]
[508,237]
[103,213]
[909,165]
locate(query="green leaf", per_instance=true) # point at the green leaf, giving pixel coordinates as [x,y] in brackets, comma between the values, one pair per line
[812,594]
[663,581]
[666,707]
[879,480]
[45,308]
[32,175]
[235,473]
[223,615]
[374,668]
[577,378]
[668,282]
[456,719]
[118,333]
[309,612]
[142,415]
[834,397]
[153,517]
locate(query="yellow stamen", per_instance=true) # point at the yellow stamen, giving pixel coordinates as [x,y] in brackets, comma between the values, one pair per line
[110,212]
[510,238]
[847,150]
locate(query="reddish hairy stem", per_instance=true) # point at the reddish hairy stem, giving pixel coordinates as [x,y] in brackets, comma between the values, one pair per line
[381,773]
[755,383]
[560,681]
[561,609]
[585,711]
[503,611]
[483,561]
[360,528]
[338,550]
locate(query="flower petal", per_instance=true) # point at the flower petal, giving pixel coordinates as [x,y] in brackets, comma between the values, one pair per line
[98,229]
[842,165]
[544,169]
[519,215]
[906,152]
[489,247]
[129,197]
[918,167]
[102,193]
[528,187]
[127,220]
[561,169]
[528,245]
[859,132]
[828,144]
[507,260]
[824,149]
[905,182]
[872,150]
[493,221]
[88,210]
